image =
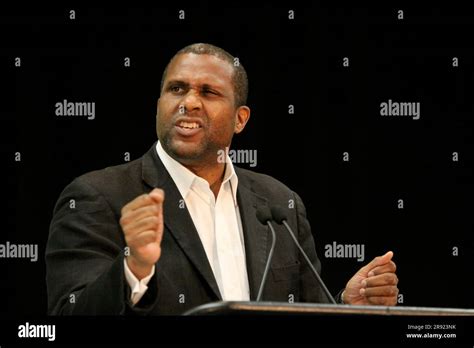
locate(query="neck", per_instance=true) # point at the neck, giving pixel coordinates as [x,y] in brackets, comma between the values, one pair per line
[213,174]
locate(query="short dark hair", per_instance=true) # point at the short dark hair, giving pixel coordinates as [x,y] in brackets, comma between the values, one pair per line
[239,77]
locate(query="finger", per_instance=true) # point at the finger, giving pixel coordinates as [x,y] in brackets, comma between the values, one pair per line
[140,213]
[138,202]
[377,261]
[142,239]
[383,300]
[386,290]
[159,229]
[148,223]
[390,267]
[157,195]
[380,280]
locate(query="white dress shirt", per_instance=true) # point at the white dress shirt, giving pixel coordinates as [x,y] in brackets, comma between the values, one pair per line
[218,223]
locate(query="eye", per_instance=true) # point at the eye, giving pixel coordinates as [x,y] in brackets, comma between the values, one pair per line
[208,91]
[175,89]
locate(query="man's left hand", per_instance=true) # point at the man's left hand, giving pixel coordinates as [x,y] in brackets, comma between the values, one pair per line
[374,284]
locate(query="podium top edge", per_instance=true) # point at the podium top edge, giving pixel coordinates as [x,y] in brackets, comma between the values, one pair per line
[284,308]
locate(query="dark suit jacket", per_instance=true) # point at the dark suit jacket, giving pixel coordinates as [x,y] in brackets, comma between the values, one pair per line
[85,249]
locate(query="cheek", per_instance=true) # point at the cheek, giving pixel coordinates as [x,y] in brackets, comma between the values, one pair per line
[223,124]
[165,112]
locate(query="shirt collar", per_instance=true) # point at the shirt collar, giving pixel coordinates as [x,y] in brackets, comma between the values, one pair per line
[185,179]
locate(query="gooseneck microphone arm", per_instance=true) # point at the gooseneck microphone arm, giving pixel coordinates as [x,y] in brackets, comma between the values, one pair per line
[279,216]
[264,216]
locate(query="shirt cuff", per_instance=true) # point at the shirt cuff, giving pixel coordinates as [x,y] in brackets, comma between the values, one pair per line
[138,287]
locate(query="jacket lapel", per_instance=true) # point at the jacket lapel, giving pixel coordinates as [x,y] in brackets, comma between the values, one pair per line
[256,235]
[177,220]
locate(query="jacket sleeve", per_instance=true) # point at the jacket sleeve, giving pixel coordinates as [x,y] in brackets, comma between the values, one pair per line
[84,258]
[310,290]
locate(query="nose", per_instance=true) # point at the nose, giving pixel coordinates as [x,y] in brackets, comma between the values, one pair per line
[191,101]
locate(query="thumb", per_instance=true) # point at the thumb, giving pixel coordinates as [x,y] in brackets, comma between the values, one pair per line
[158,195]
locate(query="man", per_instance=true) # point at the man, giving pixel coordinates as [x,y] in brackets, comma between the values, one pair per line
[177,228]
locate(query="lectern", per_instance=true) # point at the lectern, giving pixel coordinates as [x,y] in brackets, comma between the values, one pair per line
[282,308]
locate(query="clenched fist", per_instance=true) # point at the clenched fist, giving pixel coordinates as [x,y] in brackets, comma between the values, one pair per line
[142,224]
[374,284]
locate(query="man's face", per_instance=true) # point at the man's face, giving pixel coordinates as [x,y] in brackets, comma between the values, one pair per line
[196,113]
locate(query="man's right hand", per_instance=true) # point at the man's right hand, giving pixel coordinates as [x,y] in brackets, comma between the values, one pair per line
[142,224]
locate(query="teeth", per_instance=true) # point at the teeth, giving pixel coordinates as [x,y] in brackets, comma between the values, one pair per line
[188,124]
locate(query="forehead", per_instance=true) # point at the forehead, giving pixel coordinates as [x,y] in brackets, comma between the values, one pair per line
[201,69]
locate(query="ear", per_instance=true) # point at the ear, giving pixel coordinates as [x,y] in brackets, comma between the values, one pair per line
[242,116]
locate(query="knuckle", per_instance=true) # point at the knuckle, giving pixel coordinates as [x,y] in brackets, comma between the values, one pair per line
[124,220]
[123,210]
[154,220]
[126,230]
[394,266]
[155,209]
[130,242]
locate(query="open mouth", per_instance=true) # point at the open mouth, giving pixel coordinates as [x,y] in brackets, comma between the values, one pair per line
[188,125]
[188,128]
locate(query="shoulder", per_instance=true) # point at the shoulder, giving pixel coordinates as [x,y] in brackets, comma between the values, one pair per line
[113,176]
[274,191]
[262,184]
[113,186]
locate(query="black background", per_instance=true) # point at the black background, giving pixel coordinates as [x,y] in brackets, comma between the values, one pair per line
[296,62]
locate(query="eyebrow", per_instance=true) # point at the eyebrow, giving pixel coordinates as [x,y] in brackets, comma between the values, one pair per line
[177,82]
[181,83]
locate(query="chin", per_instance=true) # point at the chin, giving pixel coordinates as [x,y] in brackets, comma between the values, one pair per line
[187,151]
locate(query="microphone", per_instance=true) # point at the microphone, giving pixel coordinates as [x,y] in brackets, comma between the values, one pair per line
[279,215]
[264,216]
